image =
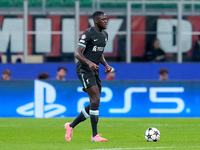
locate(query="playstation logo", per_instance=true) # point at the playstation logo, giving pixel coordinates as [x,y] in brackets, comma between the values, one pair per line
[43,105]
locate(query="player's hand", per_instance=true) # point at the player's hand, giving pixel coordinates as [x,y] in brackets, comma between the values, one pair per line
[93,66]
[108,68]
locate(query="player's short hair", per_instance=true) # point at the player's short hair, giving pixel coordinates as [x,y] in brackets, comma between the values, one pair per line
[163,71]
[62,68]
[97,14]
[7,71]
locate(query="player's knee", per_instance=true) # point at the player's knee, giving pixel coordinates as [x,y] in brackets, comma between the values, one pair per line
[95,100]
[94,97]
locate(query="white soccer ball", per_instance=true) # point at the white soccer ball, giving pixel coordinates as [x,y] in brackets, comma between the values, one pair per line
[152,134]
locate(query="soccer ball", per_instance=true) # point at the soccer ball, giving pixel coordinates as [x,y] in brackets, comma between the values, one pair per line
[152,134]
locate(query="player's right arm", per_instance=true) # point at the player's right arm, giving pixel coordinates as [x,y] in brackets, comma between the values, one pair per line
[79,55]
[84,39]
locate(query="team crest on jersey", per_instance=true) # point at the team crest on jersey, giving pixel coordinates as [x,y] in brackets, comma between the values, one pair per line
[83,36]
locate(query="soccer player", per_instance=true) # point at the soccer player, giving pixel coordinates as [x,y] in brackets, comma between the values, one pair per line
[90,53]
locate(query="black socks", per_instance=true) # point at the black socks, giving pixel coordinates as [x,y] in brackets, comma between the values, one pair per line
[89,111]
[81,117]
[94,117]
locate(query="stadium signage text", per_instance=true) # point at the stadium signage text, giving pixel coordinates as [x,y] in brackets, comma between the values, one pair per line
[45,32]
[45,96]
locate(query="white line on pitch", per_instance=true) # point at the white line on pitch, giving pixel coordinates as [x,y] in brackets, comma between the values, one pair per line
[135,148]
[131,148]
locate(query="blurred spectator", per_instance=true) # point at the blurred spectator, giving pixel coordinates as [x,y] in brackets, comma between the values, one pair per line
[61,73]
[19,60]
[163,74]
[0,60]
[196,51]
[6,74]
[111,75]
[156,54]
[43,76]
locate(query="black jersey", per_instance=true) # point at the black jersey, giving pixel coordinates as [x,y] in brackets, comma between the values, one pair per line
[94,43]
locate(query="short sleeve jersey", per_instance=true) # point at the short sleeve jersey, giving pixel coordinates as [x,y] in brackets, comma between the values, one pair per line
[94,43]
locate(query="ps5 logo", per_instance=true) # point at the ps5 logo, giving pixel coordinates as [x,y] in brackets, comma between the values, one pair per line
[43,105]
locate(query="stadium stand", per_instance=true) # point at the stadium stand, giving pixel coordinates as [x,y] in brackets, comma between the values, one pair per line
[49,3]
[55,3]
[120,4]
[88,3]
[5,3]
[18,3]
[35,3]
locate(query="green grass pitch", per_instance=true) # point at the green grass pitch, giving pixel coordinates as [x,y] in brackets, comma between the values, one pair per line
[122,134]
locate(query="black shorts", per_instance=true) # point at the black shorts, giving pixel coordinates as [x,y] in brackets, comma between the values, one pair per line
[89,77]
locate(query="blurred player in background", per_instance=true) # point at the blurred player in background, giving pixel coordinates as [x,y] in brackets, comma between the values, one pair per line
[163,74]
[90,53]
[61,73]
[6,74]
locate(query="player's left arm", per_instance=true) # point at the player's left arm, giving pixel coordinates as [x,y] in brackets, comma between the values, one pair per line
[103,62]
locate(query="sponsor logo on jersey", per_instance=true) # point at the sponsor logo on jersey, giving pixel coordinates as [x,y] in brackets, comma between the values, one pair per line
[95,48]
